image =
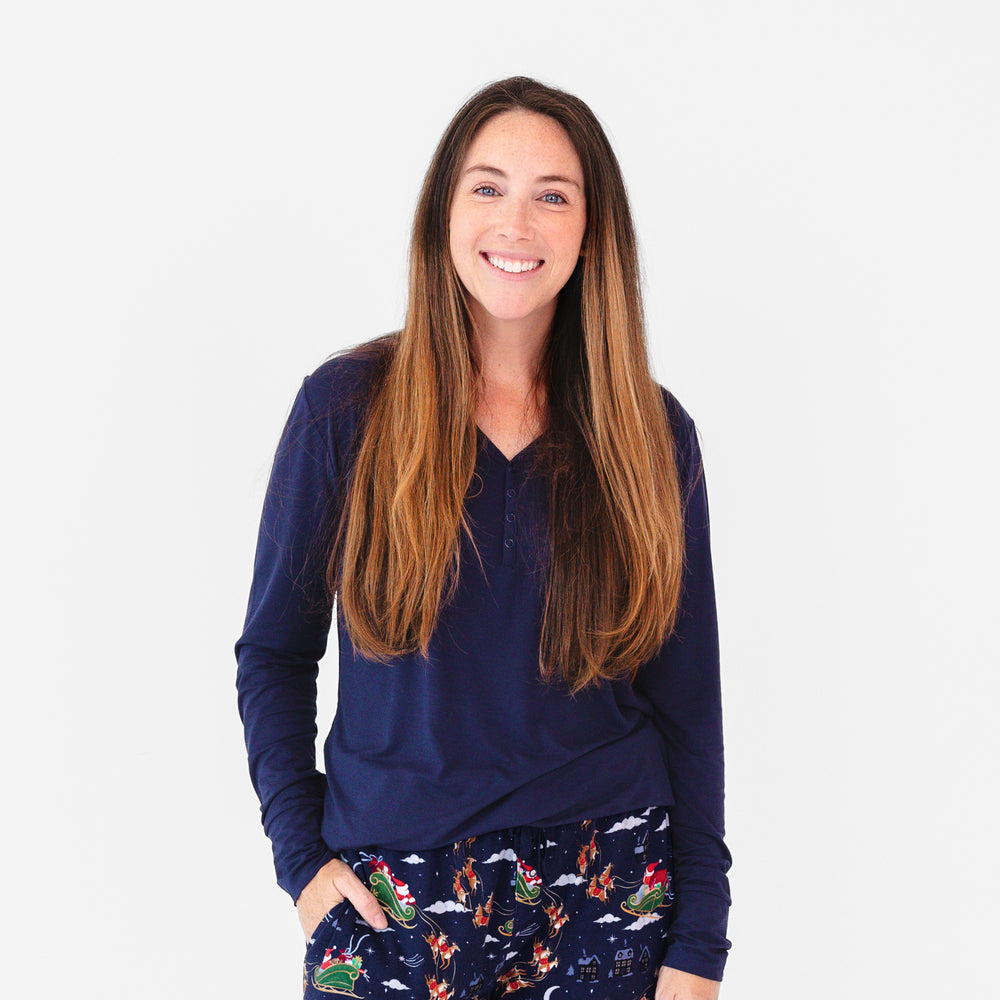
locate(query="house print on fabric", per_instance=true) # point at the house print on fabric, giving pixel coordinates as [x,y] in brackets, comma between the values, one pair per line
[623,963]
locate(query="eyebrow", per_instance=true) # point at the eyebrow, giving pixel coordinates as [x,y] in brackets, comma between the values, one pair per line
[546,179]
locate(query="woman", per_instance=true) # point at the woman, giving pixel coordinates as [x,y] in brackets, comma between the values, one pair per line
[524,781]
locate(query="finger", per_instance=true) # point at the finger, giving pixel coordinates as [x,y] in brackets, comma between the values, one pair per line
[371,910]
[363,901]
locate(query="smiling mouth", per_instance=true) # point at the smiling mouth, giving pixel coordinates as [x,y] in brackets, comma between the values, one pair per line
[509,266]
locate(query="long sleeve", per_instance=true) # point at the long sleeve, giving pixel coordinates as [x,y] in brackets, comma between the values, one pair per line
[683,686]
[285,634]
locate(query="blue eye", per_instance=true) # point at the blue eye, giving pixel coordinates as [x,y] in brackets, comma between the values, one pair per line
[489,191]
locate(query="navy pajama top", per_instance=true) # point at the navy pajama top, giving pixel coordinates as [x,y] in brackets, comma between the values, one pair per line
[422,753]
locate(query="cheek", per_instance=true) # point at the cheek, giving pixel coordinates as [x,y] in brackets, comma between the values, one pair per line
[455,246]
[458,238]
[570,239]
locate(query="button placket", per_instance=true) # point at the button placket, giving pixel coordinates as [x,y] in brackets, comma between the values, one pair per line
[510,505]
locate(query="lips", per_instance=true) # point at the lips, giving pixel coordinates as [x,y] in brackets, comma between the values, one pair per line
[512,265]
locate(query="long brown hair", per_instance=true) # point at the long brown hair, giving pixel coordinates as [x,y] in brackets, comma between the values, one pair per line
[616,534]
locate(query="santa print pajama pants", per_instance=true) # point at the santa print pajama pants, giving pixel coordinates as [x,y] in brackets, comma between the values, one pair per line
[569,912]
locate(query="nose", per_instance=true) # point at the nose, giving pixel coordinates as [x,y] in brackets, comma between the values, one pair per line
[515,220]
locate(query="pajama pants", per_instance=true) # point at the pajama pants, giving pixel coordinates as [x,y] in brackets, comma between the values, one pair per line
[572,912]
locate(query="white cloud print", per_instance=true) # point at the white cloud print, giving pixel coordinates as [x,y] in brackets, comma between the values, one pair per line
[608,918]
[640,923]
[395,984]
[413,859]
[445,906]
[629,823]
[507,855]
[569,879]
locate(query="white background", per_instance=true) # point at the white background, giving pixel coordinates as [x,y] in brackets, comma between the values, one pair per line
[201,201]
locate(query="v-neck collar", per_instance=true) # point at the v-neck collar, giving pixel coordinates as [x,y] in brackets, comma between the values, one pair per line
[499,454]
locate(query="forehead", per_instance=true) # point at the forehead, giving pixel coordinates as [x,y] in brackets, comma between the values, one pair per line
[525,138]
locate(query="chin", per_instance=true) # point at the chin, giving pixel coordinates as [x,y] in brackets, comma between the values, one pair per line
[511,312]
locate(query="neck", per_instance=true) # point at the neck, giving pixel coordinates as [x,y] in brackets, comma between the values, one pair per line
[510,351]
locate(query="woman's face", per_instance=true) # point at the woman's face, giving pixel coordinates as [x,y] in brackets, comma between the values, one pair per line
[517,219]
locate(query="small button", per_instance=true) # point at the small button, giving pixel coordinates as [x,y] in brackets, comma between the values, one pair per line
[508,543]
[509,518]
[511,493]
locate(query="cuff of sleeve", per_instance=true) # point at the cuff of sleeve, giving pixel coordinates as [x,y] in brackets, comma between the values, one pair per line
[694,963]
[295,881]
[696,940]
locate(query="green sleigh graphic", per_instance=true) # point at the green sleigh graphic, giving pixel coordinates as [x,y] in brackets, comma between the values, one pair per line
[528,884]
[338,975]
[654,892]
[394,895]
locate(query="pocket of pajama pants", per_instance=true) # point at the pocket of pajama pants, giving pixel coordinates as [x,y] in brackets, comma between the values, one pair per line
[319,936]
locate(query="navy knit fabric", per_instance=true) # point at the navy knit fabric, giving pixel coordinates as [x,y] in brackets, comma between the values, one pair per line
[423,753]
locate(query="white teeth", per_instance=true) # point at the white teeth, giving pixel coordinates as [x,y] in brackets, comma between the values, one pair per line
[513,266]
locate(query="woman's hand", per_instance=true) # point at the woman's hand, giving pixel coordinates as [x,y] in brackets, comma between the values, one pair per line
[332,884]
[672,984]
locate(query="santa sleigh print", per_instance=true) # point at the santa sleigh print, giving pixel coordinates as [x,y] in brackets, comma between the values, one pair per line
[392,893]
[655,892]
[338,973]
